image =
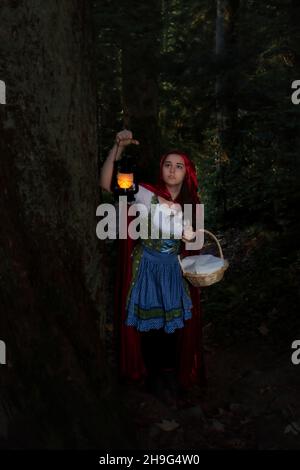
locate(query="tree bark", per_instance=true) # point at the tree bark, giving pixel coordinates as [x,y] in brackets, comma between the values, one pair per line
[226,83]
[140,69]
[55,390]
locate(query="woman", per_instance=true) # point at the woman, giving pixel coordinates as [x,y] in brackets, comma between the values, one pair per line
[158,318]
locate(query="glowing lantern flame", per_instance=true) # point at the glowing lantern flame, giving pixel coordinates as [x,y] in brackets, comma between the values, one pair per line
[125,180]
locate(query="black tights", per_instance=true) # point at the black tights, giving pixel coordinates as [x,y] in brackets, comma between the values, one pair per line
[159,350]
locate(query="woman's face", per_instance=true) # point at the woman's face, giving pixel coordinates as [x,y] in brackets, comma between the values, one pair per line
[173,170]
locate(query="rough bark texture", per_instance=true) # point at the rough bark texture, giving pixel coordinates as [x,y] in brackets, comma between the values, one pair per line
[55,390]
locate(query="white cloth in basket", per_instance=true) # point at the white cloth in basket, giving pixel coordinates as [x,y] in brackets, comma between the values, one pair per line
[202,264]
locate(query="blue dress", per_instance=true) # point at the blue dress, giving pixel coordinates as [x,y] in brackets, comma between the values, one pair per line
[159,295]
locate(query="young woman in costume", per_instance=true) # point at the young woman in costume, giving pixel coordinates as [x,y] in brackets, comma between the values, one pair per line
[158,317]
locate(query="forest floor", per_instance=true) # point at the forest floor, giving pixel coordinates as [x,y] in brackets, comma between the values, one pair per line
[251,402]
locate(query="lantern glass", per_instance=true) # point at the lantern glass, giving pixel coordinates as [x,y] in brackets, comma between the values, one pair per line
[125,183]
[125,180]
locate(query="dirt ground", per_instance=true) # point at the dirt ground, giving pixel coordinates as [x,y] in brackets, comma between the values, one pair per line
[251,402]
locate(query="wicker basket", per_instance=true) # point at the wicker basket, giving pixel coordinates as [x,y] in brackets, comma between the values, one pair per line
[198,280]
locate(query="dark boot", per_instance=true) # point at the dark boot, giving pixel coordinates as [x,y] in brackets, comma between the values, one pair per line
[154,385]
[171,387]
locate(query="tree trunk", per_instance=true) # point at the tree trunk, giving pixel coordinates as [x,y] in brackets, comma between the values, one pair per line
[226,83]
[55,390]
[140,69]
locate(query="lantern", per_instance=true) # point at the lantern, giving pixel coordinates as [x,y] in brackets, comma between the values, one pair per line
[126,180]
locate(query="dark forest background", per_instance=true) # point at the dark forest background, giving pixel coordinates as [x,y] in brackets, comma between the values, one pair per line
[213,78]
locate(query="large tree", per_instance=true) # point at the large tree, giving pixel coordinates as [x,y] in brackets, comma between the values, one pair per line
[55,390]
[140,43]
[226,85]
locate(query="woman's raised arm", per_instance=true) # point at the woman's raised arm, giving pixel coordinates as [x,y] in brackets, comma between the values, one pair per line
[123,138]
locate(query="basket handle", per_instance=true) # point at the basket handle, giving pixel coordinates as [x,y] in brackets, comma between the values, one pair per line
[216,240]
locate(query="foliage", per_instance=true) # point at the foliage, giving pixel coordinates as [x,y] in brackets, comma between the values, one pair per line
[252,189]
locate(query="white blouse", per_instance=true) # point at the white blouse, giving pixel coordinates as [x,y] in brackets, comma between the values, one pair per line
[169,219]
